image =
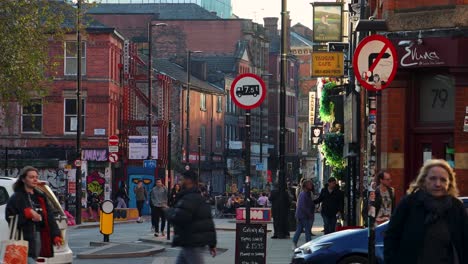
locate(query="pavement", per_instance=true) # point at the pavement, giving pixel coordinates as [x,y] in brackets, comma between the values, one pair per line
[278,250]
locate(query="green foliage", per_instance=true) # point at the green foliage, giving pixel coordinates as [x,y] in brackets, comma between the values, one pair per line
[327,107]
[332,148]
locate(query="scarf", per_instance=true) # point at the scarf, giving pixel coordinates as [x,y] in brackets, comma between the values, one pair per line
[436,207]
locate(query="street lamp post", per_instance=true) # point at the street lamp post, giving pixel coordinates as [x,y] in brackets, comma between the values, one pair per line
[150,85]
[78,113]
[187,109]
[261,126]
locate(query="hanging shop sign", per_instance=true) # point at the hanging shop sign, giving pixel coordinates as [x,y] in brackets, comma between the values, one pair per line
[327,64]
[328,22]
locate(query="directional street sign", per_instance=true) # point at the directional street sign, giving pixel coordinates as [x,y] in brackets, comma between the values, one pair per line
[248,91]
[375,62]
[113,157]
[149,164]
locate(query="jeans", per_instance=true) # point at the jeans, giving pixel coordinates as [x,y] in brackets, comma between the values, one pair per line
[156,214]
[329,224]
[140,206]
[121,203]
[306,225]
[190,255]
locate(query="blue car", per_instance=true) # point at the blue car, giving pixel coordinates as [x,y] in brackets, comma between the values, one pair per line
[344,247]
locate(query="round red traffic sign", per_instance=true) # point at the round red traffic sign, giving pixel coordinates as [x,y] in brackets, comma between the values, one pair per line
[375,62]
[248,91]
[114,140]
[113,157]
[77,163]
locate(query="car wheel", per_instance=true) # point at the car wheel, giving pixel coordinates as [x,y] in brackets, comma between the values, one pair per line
[354,260]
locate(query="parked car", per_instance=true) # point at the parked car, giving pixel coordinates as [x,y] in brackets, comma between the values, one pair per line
[63,254]
[344,247]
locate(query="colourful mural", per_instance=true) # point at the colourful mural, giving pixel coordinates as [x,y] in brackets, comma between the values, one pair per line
[95,183]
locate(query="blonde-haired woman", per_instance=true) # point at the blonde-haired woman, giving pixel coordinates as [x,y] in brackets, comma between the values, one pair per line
[430,225]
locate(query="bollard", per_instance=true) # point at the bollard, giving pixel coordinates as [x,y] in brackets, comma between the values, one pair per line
[106,219]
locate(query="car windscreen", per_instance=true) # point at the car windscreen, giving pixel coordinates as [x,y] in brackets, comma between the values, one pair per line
[3,195]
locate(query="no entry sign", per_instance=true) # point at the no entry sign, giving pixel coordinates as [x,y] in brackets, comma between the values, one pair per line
[375,62]
[114,140]
[248,91]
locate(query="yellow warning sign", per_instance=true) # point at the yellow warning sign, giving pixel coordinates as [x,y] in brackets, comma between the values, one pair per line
[327,64]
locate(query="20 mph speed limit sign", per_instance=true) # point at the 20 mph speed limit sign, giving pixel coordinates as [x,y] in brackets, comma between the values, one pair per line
[248,91]
[375,62]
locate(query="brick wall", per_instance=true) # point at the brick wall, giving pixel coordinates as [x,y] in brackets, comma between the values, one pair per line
[461,140]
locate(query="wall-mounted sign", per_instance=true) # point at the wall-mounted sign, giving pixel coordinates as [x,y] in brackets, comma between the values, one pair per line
[328,22]
[327,64]
[465,126]
[99,131]
[311,108]
[138,147]
[301,51]
[316,134]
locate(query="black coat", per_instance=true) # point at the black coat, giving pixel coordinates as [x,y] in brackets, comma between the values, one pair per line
[406,231]
[332,203]
[16,205]
[192,220]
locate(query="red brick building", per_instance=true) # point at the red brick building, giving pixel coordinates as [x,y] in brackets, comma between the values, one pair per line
[44,134]
[425,111]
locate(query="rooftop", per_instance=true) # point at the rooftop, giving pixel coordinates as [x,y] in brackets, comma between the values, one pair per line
[164,11]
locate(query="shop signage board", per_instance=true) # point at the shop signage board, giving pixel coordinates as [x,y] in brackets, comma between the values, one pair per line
[248,91]
[327,64]
[251,243]
[375,62]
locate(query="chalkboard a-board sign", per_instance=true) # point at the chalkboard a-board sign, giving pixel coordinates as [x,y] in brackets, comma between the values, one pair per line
[251,243]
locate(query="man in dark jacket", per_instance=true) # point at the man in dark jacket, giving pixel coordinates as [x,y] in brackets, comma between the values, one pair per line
[193,224]
[332,200]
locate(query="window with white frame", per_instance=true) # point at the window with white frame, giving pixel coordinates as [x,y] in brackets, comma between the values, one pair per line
[31,117]
[71,118]
[219,107]
[203,102]
[71,58]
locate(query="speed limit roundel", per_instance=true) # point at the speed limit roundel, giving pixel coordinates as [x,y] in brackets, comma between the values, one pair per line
[248,91]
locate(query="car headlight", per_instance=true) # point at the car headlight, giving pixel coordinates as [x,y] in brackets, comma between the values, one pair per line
[309,249]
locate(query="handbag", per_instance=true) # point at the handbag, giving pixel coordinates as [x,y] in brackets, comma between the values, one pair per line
[14,250]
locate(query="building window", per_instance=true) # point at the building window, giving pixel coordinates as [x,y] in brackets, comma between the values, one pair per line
[203,137]
[71,58]
[219,133]
[219,107]
[71,121]
[31,117]
[203,102]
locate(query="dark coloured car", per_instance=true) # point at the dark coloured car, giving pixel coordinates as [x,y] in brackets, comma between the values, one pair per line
[344,247]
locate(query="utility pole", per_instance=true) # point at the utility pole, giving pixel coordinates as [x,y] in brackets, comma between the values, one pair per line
[187,111]
[283,198]
[78,113]
[150,88]
[169,168]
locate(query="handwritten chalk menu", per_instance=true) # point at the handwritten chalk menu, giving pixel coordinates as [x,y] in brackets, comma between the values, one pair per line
[251,243]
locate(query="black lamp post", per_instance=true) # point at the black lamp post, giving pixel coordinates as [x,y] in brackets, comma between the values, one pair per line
[261,124]
[78,113]
[150,85]
[187,109]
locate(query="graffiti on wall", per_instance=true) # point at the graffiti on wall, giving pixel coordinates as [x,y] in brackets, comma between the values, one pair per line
[55,177]
[95,183]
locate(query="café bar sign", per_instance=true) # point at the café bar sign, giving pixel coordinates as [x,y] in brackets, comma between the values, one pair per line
[327,64]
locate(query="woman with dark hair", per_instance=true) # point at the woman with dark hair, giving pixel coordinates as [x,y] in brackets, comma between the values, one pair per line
[174,191]
[35,217]
[430,225]
[122,196]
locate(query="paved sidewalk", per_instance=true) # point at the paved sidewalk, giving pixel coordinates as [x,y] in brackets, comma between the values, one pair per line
[278,250]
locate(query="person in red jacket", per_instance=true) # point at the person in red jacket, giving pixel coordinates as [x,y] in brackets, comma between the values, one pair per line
[35,217]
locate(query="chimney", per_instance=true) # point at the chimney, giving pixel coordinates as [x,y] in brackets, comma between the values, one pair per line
[271,26]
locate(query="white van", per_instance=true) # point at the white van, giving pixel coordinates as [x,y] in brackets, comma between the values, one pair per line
[63,254]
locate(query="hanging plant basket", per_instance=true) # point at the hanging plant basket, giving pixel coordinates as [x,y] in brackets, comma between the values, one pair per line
[327,107]
[332,149]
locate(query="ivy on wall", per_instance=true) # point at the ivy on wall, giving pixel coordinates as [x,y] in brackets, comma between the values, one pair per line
[326,110]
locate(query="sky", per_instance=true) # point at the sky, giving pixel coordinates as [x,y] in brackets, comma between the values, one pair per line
[300,11]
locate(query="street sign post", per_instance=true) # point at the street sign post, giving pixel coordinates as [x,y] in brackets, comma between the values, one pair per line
[114,140]
[375,62]
[248,92]
[113,157]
